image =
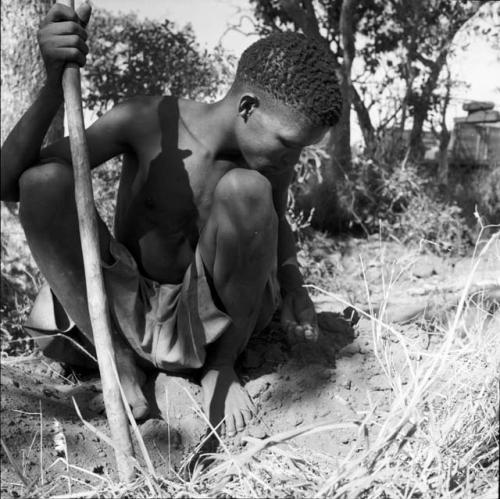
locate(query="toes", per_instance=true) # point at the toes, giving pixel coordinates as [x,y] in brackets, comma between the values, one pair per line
[239,421]
[230,426]
[140,411]
[250,406]
[247,416]
[96,404]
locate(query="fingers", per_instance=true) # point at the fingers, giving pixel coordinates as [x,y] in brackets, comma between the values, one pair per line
[70,54]
[298,332]
[60,12]
[62,36]
[83,12]
[68,28]
[311,332]
[63,42]
[73,41]
[308,320]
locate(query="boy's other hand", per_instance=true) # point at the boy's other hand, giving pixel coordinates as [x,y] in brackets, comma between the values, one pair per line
[298,316]
[62,39]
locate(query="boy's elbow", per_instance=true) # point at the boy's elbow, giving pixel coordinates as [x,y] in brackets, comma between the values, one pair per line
[9,186]
[9,195]
[9,190]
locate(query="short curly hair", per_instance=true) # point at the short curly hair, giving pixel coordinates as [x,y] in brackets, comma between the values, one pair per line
[296,71]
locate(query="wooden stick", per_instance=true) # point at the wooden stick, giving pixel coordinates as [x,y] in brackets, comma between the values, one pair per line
[96,295]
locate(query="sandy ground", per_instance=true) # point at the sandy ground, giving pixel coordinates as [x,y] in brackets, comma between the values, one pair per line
[336,380]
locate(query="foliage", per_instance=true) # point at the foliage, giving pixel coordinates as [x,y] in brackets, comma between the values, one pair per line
[377,197]
[415,39]
[130,57]
[105,180]
[404,204]
[306,170]
[403,44]
[20,281]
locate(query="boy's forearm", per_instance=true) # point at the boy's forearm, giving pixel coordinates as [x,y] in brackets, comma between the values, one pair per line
[21,149]
[289,275]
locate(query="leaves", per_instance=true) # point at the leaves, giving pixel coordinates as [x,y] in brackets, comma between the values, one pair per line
[403,45]
[130,57]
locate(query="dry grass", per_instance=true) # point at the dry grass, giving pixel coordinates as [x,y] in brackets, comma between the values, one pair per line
[438,438]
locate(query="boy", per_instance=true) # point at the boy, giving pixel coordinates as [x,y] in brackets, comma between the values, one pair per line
[202,254]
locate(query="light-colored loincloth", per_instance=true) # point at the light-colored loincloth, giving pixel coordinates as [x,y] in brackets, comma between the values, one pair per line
[168,325]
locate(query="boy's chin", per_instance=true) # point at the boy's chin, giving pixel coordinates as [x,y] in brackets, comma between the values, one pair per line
[260,165]
[273,169]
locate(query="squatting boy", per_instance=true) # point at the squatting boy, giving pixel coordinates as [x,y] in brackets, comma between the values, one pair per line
[202,254]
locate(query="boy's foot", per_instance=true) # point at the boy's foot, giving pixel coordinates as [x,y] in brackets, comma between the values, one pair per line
[131,378]
[226,399]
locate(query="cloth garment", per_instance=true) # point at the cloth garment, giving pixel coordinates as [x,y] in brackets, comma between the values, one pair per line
[168,325]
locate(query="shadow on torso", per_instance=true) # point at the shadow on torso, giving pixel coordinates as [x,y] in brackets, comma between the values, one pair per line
[156,212]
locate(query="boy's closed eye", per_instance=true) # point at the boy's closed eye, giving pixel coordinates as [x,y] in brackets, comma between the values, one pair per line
[289,144]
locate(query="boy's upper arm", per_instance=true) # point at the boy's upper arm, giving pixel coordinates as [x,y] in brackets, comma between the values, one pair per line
[280,184]
[111,135]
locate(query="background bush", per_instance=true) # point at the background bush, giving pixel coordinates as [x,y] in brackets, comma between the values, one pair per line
[397,201]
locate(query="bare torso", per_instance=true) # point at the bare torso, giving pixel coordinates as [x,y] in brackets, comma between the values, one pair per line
[166,191]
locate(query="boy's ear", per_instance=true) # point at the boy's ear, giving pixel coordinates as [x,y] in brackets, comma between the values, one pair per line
[248,103]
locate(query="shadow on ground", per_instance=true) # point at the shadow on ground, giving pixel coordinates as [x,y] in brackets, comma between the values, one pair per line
[285,382]
[282,379]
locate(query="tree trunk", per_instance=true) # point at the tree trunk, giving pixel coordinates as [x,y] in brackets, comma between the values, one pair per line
[444,138]
[341,134]
[364,120]
[422,104]
[416,145]
[443,166]
[21,64]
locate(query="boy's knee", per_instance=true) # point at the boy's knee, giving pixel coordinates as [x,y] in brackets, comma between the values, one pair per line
[49,176]
[43,189]
[246,195]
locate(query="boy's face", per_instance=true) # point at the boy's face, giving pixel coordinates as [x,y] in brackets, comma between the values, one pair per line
[271,136]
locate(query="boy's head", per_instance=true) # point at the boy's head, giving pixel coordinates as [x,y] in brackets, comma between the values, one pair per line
[287,87]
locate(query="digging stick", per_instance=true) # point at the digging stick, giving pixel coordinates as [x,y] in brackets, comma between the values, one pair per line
[96,295]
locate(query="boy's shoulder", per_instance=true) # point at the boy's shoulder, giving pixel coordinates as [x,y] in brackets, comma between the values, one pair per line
[146,112]
[140,107]
[142,116]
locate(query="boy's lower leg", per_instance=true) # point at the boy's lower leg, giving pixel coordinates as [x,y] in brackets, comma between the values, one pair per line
[239,248]
[48,215]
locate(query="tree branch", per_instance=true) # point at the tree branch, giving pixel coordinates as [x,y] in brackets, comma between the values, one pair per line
[424,60]
[363,116]
[304,19]
[389,118]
